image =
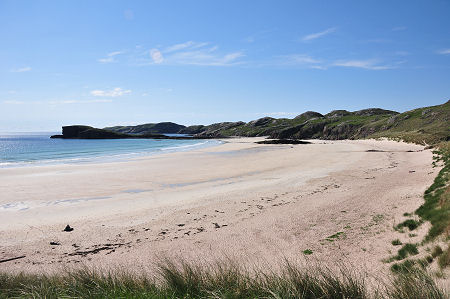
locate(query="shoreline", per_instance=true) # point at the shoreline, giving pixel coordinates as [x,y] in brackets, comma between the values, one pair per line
[110,157]
[264,201]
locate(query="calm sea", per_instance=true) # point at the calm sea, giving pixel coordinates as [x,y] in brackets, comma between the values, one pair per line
[37,149]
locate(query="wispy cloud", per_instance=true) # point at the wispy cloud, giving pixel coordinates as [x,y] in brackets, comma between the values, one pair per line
[189,44]
[444,52]
[316,35]
[156,56]
[65,102]
[110,57]
[21,70]
[194,53]
[13,102]
[370,64]
[301,60]
[116,92]
[56,102]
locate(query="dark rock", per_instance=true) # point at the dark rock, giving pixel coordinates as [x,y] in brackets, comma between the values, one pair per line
[68,228]
[54,243]
[86,132]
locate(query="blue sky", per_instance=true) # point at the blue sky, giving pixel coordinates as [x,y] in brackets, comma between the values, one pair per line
[196,62]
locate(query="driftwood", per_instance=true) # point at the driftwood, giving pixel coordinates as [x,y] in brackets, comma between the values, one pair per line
[12,259]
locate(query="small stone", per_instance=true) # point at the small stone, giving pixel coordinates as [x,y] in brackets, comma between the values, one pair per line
[55,243]
[68,228]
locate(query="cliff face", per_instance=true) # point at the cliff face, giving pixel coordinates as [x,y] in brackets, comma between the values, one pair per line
[87,132]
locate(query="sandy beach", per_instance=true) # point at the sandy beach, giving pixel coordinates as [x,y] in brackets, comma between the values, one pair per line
[255,203]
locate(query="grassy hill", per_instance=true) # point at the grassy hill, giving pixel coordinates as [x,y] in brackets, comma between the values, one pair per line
[423,125]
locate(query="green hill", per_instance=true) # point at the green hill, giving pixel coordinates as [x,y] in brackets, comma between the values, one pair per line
[423,125]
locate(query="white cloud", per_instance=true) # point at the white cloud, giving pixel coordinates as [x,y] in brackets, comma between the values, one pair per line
[193,53]
[316,35]
[300,60]
[13,102]
[444,52]
[110,57]
[369,64]
[64,102]
[206,57]
[116,92]
[21,70]
[156,56]
[56,102]
[187,45]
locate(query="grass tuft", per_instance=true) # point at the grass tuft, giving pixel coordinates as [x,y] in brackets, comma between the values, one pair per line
[411,224]
[396,242]
[219,280]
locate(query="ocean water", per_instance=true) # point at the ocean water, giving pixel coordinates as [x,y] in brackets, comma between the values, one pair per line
[38,149]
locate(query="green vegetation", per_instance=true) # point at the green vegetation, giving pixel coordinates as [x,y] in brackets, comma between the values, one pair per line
[334,237]
[428,125]
[406,250]
[444,259]
[436,208]
[396,242]
[410,223]
[221,280]
[437,251]
[307,252]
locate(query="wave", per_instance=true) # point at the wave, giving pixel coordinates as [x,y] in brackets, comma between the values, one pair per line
[103,154]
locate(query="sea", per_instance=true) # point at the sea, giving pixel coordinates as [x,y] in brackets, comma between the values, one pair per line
[29,149]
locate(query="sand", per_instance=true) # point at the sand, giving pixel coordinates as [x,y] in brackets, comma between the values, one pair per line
[254,203]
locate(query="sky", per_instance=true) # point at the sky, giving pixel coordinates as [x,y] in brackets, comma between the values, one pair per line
[105,63]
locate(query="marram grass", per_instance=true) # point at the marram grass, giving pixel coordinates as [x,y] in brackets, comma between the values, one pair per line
[219,280]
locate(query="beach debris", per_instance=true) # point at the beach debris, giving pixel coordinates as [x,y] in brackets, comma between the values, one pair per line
[181,224]
[216,225]
[12,259]
[411,171]
[54,243]
[110,247]
[68,228]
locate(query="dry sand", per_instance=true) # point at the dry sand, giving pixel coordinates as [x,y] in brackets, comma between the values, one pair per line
[255,203]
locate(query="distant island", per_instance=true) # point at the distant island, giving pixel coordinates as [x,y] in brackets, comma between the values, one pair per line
[422,125]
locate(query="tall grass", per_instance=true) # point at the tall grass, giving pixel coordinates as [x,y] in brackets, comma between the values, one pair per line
[436,208]
[220,280]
